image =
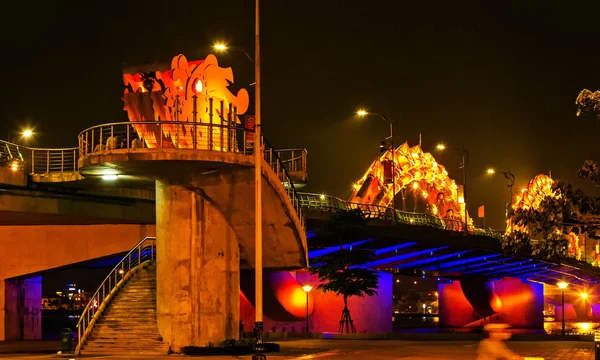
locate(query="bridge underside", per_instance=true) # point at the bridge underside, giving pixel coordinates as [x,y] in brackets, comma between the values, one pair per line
[424,251]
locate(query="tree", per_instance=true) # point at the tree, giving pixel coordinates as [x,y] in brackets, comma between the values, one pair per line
[545,229]
[588,102]
[340,272]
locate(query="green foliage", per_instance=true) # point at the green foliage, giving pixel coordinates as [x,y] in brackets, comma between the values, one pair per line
[588,102]
[339,271]
[339,275]
[545,229]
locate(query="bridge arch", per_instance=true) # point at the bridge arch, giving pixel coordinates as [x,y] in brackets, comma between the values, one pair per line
[416,171]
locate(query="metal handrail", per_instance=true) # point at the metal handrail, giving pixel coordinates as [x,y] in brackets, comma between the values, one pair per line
[272,158]
[143,251]
[330,203]
[294,160]
[227,136]
[40,160]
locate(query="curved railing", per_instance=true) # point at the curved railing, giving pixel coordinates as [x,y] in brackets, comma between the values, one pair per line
[294,161]
[330,203]
[225,137]
[39,160]
[145,250]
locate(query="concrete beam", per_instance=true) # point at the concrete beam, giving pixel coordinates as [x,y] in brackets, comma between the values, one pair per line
[30,207]
[27,251]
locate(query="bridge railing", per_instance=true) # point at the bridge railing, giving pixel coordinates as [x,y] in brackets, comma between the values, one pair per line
[294,161]
[10,152]
[226,136]
[143,251]
[45,161]
[330,203]
[279,167]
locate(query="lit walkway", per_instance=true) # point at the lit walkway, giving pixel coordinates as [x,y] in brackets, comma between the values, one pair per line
[388,350]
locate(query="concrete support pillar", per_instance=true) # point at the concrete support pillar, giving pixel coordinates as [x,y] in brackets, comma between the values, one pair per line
[22,309]
[454,308]
[198,276]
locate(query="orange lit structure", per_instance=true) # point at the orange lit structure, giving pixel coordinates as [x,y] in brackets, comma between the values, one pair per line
[415,170]
[539,188]
[195,92]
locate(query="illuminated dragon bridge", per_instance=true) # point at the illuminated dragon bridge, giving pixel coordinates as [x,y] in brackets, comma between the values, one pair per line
[195,92]
[415,170]
[530,197]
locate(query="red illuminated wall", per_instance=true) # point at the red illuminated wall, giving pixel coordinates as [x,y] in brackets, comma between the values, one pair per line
[371,314]
[515,302]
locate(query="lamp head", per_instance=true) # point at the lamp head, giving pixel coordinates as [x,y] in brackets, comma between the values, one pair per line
[307,288]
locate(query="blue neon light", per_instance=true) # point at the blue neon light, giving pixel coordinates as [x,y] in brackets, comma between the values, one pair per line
[461,263]
[320,252]
[398,258]
[429,260]
[394,248]
[495,267]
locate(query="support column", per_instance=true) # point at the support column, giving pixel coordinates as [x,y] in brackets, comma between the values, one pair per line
[22,309]
[198,275]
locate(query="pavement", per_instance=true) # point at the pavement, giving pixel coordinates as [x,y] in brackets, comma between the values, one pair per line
[363,349]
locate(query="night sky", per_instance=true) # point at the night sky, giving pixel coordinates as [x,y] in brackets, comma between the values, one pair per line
[500,78]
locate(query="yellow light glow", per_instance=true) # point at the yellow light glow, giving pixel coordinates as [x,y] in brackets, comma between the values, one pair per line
[322,197]
[27,133]
[356,186]
[523,190]
[562,285]
[584,326]
[14,166]
[220,46]
[198,86]
[491,171]
[440,147]
[584,295]
[461,200]
[415,186]
[307,288]
[362,112]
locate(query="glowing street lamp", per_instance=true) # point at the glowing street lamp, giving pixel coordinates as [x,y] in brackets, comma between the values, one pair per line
[27,133]
[364,113]
[584,295]
[220,47]
[464,154]
[510,177]
[562,286]
[307,288]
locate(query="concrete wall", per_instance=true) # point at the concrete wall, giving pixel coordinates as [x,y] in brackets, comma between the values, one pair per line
[371,314]
[17,178]
[26,250]
[24,308]
[516,302]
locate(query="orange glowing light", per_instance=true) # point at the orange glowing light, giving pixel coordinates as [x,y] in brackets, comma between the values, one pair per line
[14,166]
[215,103]
[411,165]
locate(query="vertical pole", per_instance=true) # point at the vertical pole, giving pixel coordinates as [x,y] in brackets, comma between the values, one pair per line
[563,310]
[194,119]
[393,166]
[307,314]
[464,166]
[258,185]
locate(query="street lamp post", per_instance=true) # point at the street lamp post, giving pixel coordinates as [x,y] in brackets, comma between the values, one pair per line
[362,113]
[307,288]
[510,177]
[464,155]
[258,255]
[563,285]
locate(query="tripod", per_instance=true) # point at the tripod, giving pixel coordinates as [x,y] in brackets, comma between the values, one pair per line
[346,322]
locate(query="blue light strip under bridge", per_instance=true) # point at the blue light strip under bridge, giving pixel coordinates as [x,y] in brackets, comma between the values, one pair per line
[394,248]
[460,264]
[399,258]
[430,260]
[320,252]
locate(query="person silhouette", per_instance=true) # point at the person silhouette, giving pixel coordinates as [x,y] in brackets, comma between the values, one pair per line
[493,347]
